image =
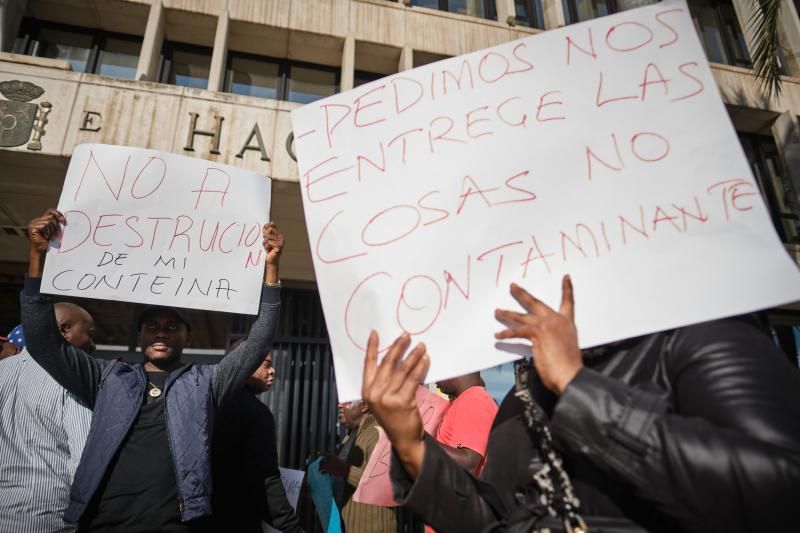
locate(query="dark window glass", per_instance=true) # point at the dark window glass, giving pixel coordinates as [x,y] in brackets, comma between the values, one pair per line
[86,50]
[306,84]
[475,8]
[529,13]
[185,65]
[68,45]
[581,10]
[719,31]
[253,76]
[775,187]
[279,79]
[118,58]
[360,77]
[20,45]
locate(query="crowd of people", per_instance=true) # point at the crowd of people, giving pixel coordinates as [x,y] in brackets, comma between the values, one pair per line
[693,429]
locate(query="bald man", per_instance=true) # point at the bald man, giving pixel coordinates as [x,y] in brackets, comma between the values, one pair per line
[42,432]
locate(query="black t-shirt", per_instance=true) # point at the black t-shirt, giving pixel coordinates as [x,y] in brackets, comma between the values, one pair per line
[139,492]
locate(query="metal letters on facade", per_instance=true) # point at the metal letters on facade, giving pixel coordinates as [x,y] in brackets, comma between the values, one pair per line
[216,136]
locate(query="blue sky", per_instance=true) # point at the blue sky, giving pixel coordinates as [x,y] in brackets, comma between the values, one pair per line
[498,380]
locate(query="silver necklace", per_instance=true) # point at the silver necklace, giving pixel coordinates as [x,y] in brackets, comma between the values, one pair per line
[154,391]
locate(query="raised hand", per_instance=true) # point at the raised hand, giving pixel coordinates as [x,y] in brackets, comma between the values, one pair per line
[273,242]
[554,339]
[389,388]
[42,229]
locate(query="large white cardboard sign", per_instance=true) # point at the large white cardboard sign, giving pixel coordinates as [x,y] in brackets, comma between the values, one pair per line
[153,227]
[601,149]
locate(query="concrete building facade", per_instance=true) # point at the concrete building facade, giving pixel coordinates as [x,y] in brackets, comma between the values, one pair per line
[217,79]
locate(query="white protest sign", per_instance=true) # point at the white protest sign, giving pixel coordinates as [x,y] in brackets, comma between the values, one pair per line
[292,483]
[152,227]
[601,149]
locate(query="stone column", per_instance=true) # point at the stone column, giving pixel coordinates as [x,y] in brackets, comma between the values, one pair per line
[11,12]
[147,69]
[348,63]
[216,74]
[505,11]
[789,35]
[554,16]
[406,59]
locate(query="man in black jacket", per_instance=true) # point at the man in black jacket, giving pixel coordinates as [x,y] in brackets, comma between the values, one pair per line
[694,429]
[247,481]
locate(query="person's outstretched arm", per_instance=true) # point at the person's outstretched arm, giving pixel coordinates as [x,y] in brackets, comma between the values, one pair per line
[234,369]
[71,367]
[727,460]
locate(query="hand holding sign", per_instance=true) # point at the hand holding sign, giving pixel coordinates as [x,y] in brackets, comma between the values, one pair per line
[390,391]
[554,339]
[44,228]
[41,230]
[273,243]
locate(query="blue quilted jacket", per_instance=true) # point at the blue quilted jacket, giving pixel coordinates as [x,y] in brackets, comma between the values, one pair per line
[115,391]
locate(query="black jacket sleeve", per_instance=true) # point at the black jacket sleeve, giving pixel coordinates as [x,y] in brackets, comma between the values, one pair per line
[444,494]
[232,372]
[725,458]
[71,367]
[279,514]
[277,511]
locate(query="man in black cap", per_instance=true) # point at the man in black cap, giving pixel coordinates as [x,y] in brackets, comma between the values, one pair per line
[146,463]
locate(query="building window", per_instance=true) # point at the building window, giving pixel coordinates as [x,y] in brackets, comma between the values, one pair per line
[475,8]
[185,65]
[581,10]
[362,77]
[118,58]
[529,13]
[776,189]
[307,83]
[719,31]
[253,76]
[279,79]
[86,50]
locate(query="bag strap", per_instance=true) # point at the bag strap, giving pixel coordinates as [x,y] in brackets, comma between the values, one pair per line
[555,488]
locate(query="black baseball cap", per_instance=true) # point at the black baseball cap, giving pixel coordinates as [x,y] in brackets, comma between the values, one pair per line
[177,311]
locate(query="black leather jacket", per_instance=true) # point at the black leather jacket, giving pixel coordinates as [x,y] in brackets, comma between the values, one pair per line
[695,429]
